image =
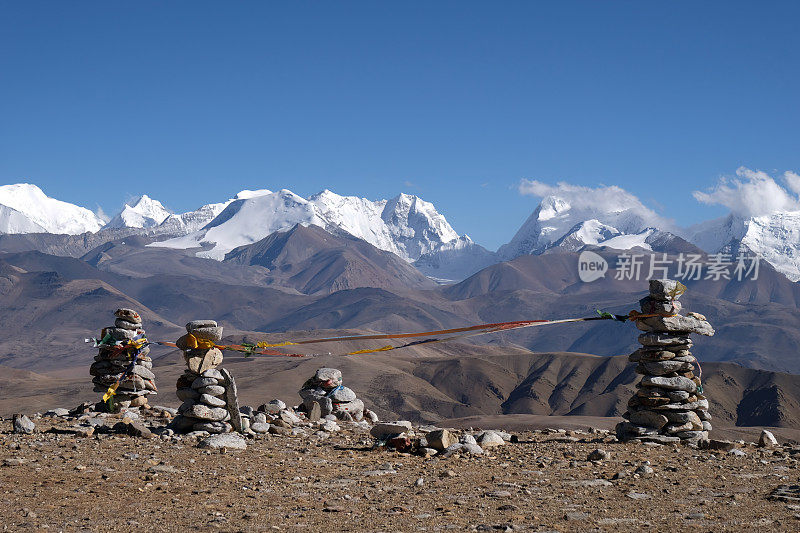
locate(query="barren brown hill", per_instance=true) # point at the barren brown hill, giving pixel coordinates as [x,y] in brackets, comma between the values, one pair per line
[313,261]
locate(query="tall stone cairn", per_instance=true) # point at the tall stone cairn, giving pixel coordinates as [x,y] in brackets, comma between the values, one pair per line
[111,361]
[207,392]
[669,405]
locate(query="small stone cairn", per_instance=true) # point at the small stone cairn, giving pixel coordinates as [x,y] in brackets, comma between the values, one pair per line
[669,405]
[208,393]
[111,361]
[323,394]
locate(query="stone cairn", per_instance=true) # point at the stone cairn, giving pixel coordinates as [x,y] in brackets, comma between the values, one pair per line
[111,362]
[669,405]
[323,394]
[208,393]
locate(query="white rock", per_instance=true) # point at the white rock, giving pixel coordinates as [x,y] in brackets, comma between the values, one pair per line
[230,441]
[490,439]
[767,439]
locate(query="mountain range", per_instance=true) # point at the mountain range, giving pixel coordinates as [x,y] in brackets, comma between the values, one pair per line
[405,225]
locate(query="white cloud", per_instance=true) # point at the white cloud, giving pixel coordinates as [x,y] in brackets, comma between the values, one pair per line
[99,213]
[595,202]
[753,193]
[792,180]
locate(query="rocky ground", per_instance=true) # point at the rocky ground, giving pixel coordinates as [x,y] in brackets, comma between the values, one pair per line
[58,480]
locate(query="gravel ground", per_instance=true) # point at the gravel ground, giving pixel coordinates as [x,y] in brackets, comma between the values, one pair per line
[109,482]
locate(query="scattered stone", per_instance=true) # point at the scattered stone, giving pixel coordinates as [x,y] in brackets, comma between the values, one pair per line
[229,441]
[599,455]
[490,439]
[383,430]
[767,439]
[439,439]
[23,424]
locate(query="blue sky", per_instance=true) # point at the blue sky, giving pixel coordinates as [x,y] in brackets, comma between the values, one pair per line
[190,102]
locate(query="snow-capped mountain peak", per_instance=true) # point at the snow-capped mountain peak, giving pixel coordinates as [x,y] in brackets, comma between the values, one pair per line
[774,237]
[404,225]
[141,212]
[35,211]
[558,221]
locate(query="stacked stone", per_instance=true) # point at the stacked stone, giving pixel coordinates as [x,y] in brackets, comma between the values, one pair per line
[111,361]
[208,393]
[323,394]
[669,405]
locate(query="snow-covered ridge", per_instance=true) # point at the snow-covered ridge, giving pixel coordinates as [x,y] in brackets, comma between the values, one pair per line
[404,225]
[775,238]
[27,209]
[142,212]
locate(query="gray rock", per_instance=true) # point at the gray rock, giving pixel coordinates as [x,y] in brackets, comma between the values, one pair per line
[659,439]
[194,324]
[678,395]
[343,394]
[328,374]
[232,400]
[466,438]
[203,412]
[204,382]
[58,411]
[277,403]
[644,470]
[767,439]
[212,373]
[185,406]
[664,339]
[440,439]
[247,411]
[383,430]
[124,324]
[661,368]
[120,334]
[693,435]
[626,430]
[213,334]
[23,424]
[259,418]
[707,425]
[213,390]
[212,427]
[737,452]
[128,314]
[211,401]
[665,289]
[371,416]
[187,394]
[680,324]
[683,417]
[675,383]
[290,418]
[599,455]
[699,404]
[330,426]
[490,439]
[354,410]
[259,427]
[473,449]
[139,370]
[230,441]
[599,483]
[650,305]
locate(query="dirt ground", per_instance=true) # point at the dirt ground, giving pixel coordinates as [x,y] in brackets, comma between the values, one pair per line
[110,482]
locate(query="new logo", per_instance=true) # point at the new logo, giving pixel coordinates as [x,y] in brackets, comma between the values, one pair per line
[591,266]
